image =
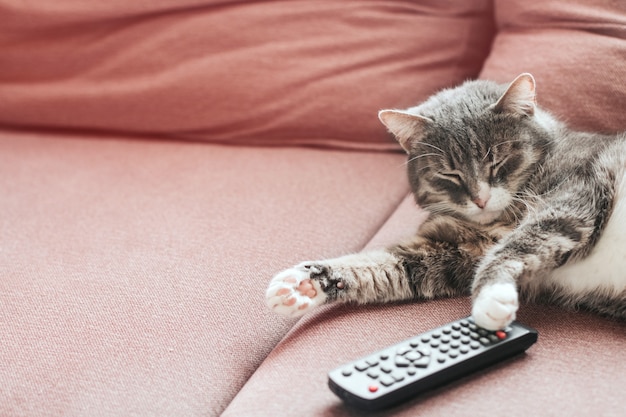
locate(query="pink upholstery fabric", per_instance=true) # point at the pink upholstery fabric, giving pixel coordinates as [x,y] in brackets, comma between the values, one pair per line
[575,50]
[263,72]
[133,272]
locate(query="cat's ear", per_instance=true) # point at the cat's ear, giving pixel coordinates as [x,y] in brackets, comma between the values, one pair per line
[519,98]
[405,126]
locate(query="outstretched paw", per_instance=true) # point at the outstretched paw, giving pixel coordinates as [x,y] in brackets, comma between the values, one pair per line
[495,306]
[293,292]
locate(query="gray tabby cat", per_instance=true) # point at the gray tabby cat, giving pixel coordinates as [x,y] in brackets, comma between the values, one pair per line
[519,206]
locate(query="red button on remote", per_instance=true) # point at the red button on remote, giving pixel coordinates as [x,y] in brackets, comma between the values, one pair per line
[373,388]
[500,334]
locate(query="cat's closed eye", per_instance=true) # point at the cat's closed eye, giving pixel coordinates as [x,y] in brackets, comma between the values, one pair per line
[504,167]
[494,169]
[453,176]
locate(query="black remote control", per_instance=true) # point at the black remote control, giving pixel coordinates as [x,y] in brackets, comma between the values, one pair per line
[424,362]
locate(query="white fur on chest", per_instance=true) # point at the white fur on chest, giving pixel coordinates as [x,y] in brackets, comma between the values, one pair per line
[605,267]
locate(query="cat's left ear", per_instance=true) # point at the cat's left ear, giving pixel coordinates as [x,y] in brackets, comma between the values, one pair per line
[405,126]
[519,98]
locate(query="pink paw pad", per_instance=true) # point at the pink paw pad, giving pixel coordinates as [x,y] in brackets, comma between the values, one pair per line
[293,292]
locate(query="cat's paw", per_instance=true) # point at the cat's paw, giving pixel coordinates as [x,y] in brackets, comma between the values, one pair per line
[495,306]
[293,292]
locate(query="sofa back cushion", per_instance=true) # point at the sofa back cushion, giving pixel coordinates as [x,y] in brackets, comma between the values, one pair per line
[576,50]
[257,72]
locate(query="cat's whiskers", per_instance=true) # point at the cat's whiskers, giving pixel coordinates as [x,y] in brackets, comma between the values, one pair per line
[530,208]
[432,146]
[515,211]
[487,154]
[439,208]
[420,156]
[507,141]
[537,198]
[425,167]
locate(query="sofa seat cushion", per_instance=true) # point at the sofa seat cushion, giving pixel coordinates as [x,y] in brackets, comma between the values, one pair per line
[134,271]
[255,72]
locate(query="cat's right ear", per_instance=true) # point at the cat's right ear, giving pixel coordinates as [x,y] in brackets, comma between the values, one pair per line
[405,126]
[519,98]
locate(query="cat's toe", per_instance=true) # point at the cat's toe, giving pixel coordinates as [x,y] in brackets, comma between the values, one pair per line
[293,292]
[495,306]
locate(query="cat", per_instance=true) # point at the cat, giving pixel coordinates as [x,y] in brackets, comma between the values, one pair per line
[520,207]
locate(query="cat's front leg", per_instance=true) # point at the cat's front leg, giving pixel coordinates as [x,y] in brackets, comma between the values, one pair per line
[421,269]
[376,276]
[533,250]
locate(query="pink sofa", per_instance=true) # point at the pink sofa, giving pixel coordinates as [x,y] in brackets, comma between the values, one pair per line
[160,160]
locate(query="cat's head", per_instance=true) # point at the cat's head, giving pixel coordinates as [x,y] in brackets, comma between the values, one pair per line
[472,148]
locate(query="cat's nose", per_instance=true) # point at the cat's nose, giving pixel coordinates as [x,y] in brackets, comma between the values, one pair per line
[481,203]
[484,194]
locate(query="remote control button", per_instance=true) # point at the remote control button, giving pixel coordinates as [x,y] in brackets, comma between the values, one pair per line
[371,362]
[372,388]
[445,339]
[397,376]
[414,343]
[465,340]
[441,359]
[361,366]
[346,372]
[412,356]
[385,368]
[446,330]
[465,332]
[484,341]
[456,335]
[434,344]
[387,380]
[411,371]
[424,351]
[472,327]
[493,338]
[373,374]
[455,344]
[436,335]
[464,323]
[444,349]
[474,345]
[501,335]
[422,362]
[402,362]
[456,326]
[425,339]
[464,349]
[453,354]
[384,356]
